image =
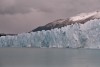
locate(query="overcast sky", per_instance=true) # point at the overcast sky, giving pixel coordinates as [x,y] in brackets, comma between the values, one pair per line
[17,16]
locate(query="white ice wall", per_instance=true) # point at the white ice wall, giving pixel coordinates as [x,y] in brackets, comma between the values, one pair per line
[72,36]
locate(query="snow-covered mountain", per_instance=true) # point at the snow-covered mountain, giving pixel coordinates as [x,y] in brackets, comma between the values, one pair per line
[81,31]
[80,18]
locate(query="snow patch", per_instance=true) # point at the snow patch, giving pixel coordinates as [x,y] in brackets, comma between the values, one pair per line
[84,16]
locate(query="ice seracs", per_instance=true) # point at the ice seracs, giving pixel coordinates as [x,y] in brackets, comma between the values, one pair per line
[85,35]
[74,34]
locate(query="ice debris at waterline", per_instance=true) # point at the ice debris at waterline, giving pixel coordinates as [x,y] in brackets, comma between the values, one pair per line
[72,36]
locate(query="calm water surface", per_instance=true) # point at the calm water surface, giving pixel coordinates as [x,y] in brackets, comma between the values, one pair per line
[53,57]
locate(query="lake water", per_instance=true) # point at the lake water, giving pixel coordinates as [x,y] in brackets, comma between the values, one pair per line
[49,57]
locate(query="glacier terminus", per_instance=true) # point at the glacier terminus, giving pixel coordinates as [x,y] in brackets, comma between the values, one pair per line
[75,35]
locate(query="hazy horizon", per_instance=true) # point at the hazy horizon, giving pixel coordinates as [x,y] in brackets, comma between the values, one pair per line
[17,16]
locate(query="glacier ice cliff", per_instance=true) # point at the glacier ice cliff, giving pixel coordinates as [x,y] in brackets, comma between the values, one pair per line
[72,36]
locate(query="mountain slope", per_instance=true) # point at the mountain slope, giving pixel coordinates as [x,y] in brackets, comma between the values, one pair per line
[85,35]
[81,18]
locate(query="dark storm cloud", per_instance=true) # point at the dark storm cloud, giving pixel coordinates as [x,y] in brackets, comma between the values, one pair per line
[18,16]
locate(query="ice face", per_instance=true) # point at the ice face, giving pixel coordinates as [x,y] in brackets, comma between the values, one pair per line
[72,36]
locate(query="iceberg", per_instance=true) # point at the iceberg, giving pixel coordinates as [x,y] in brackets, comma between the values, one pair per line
[77,35]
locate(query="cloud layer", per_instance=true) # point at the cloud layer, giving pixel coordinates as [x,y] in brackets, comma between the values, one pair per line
[17,16]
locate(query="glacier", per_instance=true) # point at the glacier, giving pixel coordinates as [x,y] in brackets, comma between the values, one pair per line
[77,35]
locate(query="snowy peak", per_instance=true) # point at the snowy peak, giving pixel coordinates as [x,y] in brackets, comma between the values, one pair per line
[84,16]
[80,18]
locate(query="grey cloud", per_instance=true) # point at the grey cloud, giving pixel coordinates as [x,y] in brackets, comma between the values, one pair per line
[49,6]
[17,16]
